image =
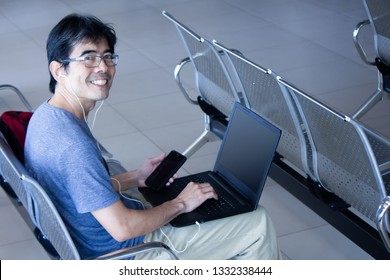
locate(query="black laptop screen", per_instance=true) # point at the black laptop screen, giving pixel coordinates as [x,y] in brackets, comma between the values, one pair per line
[247,151]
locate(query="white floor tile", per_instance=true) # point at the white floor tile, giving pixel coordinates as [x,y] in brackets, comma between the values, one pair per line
[16,228]
[287,212]
[23,250]
[321,243]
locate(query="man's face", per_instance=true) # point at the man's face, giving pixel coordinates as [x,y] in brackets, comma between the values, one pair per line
[91,84]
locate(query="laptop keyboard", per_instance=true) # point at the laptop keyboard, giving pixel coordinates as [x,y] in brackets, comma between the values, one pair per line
[210,206]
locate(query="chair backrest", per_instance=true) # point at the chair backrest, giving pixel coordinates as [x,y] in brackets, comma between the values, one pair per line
[345,163]
[10,171]
[212,77]
[38,205]
[271,100]
[379,15]
[49,221]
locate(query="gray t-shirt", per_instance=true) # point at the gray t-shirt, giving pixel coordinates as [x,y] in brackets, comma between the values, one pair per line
[62,155]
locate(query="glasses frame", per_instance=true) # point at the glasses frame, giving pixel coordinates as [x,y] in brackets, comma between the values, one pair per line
[98,59]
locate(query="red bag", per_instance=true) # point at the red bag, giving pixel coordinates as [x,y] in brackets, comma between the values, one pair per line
[13,125]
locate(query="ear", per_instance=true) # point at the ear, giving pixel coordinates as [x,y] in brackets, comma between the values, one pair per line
[57,70]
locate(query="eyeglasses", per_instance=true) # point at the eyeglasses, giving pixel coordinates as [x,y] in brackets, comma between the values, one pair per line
[92,61]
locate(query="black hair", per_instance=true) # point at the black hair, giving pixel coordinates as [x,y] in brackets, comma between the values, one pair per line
[72,30]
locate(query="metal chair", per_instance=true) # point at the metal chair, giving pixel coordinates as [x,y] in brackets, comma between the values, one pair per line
[45,217]
[272,101]
[216,89]
[50,230]
[345,161]
[378,12]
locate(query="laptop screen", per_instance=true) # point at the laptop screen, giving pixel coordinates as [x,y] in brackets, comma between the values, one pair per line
[247,151]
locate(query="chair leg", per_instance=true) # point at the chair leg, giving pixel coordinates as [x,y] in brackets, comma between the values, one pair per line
[377,96]
[205,137]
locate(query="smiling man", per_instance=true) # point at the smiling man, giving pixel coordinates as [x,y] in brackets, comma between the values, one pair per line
[63,155]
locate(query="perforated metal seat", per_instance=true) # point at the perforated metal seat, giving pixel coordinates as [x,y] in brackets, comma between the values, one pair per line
[345,162]
[271,100]
[214,85]
[11,177]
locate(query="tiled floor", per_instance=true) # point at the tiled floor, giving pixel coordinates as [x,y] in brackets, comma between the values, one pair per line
[308,42]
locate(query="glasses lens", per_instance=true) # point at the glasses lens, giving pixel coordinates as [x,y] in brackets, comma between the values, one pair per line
[111,60]
[91,61]
[94,61]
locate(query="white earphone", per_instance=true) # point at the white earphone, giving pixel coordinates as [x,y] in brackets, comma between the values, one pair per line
[82,108]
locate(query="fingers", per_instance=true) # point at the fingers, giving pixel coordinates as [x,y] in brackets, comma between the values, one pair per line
[195,194]
[206,190]
[172,179]
[158,159]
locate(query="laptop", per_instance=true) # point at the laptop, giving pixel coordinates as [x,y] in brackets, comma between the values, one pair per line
[240,171]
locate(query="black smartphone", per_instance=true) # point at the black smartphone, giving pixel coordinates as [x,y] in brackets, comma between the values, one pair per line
[165,170]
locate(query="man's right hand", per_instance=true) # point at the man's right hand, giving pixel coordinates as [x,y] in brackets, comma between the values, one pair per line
[195,194]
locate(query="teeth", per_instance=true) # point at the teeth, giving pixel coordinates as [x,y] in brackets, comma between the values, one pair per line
[99,82]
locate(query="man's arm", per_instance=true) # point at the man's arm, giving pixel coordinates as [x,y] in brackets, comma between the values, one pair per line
[123,223]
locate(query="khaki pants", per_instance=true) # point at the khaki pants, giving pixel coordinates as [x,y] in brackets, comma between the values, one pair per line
[245,236]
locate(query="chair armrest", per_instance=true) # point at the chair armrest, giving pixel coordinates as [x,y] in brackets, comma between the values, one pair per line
[358,46]
[104,151]
[382,221]
[138,249]
[20,95]
[177,71]
[115,167]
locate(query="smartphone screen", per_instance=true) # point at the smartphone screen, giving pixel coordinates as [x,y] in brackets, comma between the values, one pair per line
[165,170]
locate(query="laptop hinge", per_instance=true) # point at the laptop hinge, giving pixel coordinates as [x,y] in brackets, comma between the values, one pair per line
[222,183]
